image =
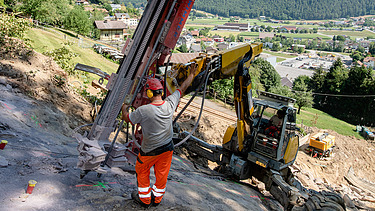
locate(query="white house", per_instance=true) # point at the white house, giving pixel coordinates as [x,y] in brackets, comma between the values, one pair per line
[124,17]
[115,6]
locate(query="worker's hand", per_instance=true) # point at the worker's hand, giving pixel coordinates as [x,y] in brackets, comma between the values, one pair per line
[125,108]
[193,68]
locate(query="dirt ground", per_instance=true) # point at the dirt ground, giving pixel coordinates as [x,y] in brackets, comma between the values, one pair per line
[37,118]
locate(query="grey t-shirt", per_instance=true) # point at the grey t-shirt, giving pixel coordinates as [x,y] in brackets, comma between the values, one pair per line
[156,122]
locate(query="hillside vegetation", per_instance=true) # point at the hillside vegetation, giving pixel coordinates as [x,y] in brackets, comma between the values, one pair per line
[288,9]
[284,10]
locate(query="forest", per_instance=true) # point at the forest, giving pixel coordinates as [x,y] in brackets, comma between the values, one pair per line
[344,93]
[283,9]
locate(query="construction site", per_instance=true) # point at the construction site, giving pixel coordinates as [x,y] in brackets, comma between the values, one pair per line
[60,152]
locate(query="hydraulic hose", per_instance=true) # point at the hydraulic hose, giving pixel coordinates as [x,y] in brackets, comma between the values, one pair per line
[208,73]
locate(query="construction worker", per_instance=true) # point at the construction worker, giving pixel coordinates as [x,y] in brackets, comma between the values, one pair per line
[275,124]
[155,119]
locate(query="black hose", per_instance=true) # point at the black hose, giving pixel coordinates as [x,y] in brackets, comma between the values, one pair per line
[200,112]
[195,93]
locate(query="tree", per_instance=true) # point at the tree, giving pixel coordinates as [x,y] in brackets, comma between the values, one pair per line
[268,75]
[232,38]
[340,38]
[239,38]
[361,49]
[183,48]
[204,31]
[276,46]
[303,99]
[335,77]
[78,21]
[302,83]
[300,50]
[11,27]
[302,95]
[357,56]
[372,48]
[317,80]
[282,90]
[269,28]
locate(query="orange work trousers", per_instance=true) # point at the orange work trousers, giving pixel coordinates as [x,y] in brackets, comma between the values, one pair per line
[162,164]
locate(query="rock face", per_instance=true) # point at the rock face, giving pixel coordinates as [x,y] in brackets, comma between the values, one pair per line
[3,162]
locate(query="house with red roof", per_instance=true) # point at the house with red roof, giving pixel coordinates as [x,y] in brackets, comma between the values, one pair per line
[287,28]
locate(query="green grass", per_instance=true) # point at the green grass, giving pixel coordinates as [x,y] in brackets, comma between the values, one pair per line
[279,54]
[363,33]
[312,117]
[304,36]
[43,41]
[278,59]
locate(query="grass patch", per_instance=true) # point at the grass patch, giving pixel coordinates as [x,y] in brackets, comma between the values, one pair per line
[279,54]
[314,118]
[363,33]
[43,41]
[278,59]
[304,36]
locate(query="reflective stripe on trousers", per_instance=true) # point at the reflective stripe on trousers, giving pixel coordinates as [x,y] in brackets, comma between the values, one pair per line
[162,165]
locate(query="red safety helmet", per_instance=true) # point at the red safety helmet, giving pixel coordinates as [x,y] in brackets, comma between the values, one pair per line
[153,84]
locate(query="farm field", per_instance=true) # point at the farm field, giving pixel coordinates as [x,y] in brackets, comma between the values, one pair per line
[363,33]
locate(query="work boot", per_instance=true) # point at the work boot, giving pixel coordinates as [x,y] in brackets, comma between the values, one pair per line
[153,200]
[136,198]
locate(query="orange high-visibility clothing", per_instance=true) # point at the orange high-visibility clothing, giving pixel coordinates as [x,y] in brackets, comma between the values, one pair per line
[162,165]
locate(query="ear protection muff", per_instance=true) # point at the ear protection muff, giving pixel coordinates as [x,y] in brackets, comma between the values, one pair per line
[149,93]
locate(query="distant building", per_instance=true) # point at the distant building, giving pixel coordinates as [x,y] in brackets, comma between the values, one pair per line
[115,6]
[80,2]
[286,82]
[222,46]
[247,39]
[365,43]
[195,33]
[227,28]
[263,35]
[121,16]
[196,48]
[369,62]
[262,18]
[219,39]
[234,27]
[211,50]
[124,17]
[287,28]
[207,41]
[110,30]
[181,58]
[295,47]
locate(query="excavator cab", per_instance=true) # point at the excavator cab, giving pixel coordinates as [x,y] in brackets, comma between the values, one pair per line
[274,140]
